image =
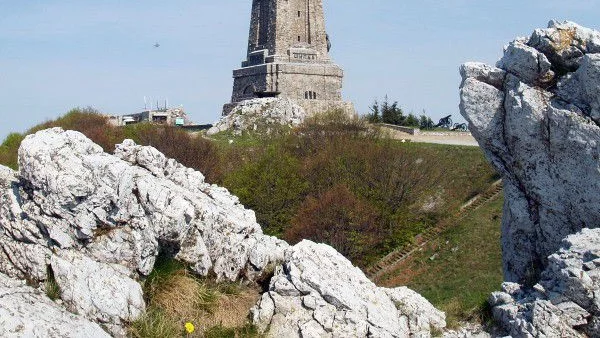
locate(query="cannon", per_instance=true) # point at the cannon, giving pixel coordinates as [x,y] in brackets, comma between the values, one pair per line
[445,122]
[460,127]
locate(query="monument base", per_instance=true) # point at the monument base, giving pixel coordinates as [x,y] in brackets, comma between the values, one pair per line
[311,107]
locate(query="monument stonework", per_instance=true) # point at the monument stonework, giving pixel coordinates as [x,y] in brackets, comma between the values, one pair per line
[288,57]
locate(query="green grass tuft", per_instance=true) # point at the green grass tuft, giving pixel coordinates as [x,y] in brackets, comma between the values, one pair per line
[247,331]
[155,324]
[51,286]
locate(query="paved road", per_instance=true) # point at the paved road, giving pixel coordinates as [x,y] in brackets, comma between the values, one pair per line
[453,138]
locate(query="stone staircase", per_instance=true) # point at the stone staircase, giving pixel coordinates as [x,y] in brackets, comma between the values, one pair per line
[395,257]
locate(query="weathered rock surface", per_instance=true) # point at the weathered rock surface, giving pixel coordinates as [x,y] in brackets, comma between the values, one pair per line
[26,312]
[99,221]
[318,293]
[260,113]
[536,116]
[94,224]
[565,303]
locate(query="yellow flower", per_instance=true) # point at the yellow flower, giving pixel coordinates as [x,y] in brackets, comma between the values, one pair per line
[189,327]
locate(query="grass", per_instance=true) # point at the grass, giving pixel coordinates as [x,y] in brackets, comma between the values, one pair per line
[51,286]
[155,324]
[247,331]
[174,297]
[458,271]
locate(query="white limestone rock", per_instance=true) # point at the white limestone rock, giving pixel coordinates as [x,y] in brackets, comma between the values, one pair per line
[540,129]
[224,235]
[102,292]
[99,221]
[26,312]
[260,113]
[318,293]
[125,208]
[565,303]
[565,43]
[539,133]
[527,63]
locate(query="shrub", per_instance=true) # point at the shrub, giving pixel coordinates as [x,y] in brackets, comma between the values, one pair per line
[51,286]
[174,296]
[337,217]
[9,150]
[271,186]
[247,331]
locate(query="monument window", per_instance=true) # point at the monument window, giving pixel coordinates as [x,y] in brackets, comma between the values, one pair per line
[310,95]
[298,38]
[299,13]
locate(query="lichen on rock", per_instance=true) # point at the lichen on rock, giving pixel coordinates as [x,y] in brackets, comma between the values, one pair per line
[536,115]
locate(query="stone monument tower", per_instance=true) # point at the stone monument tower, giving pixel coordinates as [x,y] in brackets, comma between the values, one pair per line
[288,57]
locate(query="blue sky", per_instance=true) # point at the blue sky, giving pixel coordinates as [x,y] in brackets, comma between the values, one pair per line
[55,55]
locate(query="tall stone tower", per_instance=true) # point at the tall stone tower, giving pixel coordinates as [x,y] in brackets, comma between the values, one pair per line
[288,57]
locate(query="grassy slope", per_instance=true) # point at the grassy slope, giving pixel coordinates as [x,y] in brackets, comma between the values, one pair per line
[457,271]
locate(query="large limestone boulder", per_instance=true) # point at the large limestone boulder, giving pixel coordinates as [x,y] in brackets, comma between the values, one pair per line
[96,222]
[536,115]
[263,113]
[26,312]
[318,293]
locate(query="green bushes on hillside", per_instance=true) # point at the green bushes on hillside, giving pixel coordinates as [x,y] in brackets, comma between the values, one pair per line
[9,149]
[337,180]
[333,179]
[271,183]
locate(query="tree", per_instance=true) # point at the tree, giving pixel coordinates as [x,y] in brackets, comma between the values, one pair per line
[391,113]
[374,117]
[411,121]
[425,122]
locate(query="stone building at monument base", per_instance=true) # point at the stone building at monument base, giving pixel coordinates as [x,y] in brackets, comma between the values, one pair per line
[314,86]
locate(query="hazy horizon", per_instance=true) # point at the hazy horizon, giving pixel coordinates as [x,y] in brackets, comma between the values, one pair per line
[56,55]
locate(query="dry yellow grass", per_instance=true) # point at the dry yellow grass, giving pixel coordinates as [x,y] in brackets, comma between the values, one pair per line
[233,310]
[183,296]
[178,297]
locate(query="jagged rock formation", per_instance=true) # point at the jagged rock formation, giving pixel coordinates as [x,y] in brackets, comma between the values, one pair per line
[318,293]
[566,301]
[537,115]
[261,113]
[27,312]
[99,221]
[94,223]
